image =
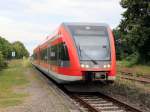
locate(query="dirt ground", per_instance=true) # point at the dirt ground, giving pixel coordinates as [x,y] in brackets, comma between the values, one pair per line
[42,97]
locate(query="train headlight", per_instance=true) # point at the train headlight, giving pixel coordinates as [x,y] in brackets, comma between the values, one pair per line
[84,66]
[105,66]
[108,65]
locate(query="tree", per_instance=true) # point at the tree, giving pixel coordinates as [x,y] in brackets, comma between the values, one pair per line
[5,48]
[2,61]
[20,50]
[118,44]
[135,28]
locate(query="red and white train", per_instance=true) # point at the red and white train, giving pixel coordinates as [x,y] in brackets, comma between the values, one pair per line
[78,52]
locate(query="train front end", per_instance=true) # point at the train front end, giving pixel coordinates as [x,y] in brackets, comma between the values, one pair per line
[96,51]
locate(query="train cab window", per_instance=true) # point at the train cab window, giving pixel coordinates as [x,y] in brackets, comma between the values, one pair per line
[92,42]
[63,56]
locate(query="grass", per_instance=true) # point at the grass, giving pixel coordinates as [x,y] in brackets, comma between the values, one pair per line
[137,69]
[13,76]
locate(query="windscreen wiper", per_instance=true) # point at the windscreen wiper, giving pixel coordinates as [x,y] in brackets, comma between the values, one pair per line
[81,50]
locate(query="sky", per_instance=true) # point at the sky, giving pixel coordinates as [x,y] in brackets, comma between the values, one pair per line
[31,21]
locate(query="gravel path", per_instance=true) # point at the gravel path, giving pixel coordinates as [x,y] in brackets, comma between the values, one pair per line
[42,97]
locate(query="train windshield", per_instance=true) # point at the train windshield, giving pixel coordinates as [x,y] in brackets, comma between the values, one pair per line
[92,42]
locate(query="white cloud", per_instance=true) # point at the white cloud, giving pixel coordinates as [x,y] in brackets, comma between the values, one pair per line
[79,10]
[14,30]
[46,15]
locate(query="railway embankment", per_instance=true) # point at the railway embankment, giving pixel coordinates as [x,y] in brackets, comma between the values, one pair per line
[132,85]
[131,92]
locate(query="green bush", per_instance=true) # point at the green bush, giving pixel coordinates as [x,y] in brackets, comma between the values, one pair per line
[132,59]
[3,63]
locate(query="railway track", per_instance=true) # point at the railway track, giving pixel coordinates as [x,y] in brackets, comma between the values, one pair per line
[93,101]
[137,79]
[97,102]
[130,76]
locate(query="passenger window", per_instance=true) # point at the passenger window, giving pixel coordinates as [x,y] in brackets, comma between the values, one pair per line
[53,55]
[63,58]
[43,55]
[59,55]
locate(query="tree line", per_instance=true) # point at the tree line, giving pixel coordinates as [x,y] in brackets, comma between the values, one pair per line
[133,33]
[6,49]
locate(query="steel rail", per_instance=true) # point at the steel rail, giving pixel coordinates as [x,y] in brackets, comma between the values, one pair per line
[125,106]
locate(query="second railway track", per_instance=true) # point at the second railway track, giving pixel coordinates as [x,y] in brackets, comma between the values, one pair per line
[131,76]
[137,79]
